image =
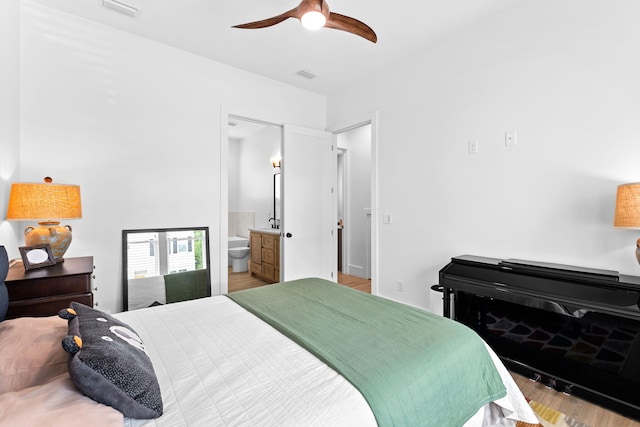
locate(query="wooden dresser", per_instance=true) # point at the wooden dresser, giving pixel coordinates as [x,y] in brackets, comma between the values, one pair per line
[265,255]
[45,291]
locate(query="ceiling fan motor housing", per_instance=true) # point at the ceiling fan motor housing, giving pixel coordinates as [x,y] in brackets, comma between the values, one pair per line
[307,6]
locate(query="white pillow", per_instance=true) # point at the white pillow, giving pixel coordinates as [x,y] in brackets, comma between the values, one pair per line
[56,402]
[31,352]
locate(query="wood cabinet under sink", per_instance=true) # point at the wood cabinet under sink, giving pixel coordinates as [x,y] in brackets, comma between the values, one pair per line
[265,256]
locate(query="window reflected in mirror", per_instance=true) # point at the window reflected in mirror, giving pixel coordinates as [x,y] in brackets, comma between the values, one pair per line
[163,266]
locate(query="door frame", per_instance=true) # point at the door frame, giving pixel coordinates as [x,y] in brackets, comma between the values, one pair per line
[223,167]
[372,119]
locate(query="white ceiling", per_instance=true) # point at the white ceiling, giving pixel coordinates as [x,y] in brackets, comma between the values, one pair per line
[203,27]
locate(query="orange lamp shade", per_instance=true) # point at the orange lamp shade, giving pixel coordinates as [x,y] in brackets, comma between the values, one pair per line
[627,213]
[45,201]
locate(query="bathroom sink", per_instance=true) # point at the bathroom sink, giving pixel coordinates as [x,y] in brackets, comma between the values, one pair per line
[267,230]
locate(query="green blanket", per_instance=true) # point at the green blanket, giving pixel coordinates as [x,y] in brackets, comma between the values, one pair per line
[414,368]
[186,285]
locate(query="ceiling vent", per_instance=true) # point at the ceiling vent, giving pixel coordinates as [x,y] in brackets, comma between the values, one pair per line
[122,8]
[306,74]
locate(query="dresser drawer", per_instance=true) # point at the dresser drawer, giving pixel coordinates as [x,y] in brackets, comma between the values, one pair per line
[29,289]
[40,307]
[45,291]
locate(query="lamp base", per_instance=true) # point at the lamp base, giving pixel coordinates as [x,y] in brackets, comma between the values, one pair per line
[51,233]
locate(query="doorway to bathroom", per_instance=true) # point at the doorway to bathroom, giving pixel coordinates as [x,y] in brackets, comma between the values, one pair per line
[324,181]
[254,156]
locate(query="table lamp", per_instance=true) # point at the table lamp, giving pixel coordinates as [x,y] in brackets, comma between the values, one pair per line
[47,203]
[628,209]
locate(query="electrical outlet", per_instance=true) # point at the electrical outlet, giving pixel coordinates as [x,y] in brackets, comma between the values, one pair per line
[472,146]
[510,138]
[400,286]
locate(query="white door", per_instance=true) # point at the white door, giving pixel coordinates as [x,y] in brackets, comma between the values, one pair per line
[309,224]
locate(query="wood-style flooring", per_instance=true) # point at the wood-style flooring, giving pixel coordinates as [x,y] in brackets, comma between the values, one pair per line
[241,281]
[581,410]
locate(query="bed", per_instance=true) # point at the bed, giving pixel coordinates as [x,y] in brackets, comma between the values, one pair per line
[300,353]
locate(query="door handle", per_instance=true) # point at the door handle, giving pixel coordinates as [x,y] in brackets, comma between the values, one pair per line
[288,235]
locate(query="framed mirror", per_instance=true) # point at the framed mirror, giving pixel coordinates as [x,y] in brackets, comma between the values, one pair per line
[164,265]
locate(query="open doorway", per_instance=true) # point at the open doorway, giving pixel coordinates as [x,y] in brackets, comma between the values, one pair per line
[254,147]
[357,205]
[331,215]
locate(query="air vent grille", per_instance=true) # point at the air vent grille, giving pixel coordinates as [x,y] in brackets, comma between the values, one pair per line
[306,74]
[122,8]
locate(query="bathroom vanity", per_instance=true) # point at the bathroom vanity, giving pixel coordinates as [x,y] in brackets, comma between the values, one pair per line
[265,254]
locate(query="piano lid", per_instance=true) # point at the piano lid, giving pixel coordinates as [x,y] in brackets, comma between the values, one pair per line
[548,269]
[540,269]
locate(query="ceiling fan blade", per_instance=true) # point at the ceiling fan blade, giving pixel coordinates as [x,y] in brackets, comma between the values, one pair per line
[269,21]
[351,25]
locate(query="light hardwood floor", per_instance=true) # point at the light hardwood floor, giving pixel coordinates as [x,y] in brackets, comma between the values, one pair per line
[241,281]
[581,410]
[354,282]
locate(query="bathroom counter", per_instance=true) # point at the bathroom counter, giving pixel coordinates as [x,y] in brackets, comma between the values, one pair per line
[275,231]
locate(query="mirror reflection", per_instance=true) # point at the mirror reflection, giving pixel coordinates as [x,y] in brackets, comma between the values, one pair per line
[163,266]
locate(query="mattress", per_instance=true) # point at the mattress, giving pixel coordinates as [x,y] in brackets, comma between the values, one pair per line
[217,364]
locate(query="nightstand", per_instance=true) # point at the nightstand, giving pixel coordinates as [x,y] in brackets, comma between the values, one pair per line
[47,290]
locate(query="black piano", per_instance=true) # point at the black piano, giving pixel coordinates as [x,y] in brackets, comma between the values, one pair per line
[575,329]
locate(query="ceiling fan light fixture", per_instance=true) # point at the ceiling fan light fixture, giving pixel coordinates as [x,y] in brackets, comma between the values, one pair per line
[313,20]
[315,14]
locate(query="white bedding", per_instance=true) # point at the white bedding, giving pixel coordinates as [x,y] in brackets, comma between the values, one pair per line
[219,365]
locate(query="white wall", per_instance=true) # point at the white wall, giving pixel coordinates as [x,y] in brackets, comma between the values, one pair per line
[564,74]
[234,173]
[9,117]
[254,173]
[137,125]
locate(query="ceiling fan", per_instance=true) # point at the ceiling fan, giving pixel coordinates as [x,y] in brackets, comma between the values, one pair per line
[315,14]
